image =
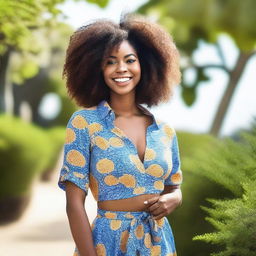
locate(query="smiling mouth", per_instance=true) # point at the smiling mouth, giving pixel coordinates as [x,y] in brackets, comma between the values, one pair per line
[122,79]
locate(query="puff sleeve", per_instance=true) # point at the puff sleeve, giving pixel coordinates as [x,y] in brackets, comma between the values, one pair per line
[175,176]
[76,164]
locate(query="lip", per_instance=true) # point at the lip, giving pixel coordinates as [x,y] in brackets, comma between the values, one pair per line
[124,82]
[119,77]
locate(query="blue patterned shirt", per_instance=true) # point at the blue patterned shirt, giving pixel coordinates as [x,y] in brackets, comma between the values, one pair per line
[97,154]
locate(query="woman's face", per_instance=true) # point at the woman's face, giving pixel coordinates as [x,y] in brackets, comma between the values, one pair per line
[121,69]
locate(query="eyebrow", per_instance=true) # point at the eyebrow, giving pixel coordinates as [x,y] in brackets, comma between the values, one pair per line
[126,56]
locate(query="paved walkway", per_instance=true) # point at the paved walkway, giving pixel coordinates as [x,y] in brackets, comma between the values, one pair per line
[43,230]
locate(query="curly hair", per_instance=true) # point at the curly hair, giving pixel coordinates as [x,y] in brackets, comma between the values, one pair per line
[90,44]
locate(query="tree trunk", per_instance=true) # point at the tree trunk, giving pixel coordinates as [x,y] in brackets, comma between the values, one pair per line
[4,60]
[235,75]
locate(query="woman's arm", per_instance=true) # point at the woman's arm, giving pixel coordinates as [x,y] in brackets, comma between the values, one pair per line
[167,202]
[78,220]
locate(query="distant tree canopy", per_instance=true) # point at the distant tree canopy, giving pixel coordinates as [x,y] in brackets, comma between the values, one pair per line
[23,32]
[19,17]
[191,22]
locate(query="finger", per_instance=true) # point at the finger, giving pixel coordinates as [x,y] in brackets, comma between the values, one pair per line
[157,211]
[153,207]
[159,216]
[151,201]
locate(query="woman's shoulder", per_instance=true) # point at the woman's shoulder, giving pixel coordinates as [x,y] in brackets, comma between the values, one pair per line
[166,128]
[87,113]
[85,116]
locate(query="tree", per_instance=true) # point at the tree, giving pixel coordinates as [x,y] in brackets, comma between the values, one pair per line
[206,20]
[18,21]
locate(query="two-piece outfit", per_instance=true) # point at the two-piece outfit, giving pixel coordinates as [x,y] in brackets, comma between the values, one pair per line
[97,154]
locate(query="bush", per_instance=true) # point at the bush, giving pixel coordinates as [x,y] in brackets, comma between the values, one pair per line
[25,151]
[233,167]
[189,220]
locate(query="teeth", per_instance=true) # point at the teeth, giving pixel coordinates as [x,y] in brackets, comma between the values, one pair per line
[125,79]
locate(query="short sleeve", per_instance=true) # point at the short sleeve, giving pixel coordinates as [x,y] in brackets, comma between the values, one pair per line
[175,176]
[76,164]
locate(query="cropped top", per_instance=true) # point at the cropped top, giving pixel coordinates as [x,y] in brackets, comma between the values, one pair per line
[97,154]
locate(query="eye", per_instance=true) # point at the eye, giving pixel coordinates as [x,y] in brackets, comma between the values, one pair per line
[110,62]
[131,60]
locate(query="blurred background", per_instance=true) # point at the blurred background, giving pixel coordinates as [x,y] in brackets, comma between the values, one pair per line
[213,111]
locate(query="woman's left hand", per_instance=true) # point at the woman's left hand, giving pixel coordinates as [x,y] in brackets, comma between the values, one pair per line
[164,204]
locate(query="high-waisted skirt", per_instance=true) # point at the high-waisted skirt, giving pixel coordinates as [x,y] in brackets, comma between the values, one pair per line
[117,233]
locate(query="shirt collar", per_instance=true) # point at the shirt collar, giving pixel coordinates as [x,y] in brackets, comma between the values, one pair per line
[104,109]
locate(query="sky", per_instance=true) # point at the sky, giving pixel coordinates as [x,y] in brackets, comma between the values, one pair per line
[197,118]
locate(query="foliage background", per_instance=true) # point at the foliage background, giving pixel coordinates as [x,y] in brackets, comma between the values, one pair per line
[219,173]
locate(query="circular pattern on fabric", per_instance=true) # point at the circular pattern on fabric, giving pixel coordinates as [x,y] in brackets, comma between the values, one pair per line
[128,180]
[101,142]
[147,240]
[155,170]
[136,161]
[94,127]
[111,180]
[150,154]
[79,122]
[169,131]
[115,224]
[167,174]
[129,215]
[101,250]
[105,166]
[139,231]
[123,240]
[116,142]
[160,222]
[159,185]
[75,158]
[176,178]
[117,132]
[110,215]
[155,250]
[78,175]
[70,136]
[139,190]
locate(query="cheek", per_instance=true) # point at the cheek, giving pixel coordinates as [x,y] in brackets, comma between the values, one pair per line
[106,73]
[138,70]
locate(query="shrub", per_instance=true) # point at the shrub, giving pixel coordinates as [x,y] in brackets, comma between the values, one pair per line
[25,151]
[234,168]
[189,220]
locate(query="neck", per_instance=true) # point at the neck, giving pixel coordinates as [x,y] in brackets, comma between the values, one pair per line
[124,105]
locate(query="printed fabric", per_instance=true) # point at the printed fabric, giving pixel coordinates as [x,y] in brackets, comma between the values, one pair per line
[131,234]
[97,154]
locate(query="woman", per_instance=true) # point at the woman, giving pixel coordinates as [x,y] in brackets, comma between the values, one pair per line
[114,145]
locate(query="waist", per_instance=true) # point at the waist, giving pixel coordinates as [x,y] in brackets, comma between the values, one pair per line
[132,204]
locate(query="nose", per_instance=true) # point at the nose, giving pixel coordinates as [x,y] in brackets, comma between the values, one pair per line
[121,67]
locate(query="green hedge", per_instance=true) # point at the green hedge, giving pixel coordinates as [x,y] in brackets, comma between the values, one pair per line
[25,151]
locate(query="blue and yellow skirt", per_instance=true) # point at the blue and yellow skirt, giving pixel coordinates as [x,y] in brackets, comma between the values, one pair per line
[117,233]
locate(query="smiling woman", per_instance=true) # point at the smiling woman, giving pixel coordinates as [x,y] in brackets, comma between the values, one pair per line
[114,145]
[121,70]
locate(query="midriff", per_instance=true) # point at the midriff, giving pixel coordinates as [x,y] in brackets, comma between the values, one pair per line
[132,204]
